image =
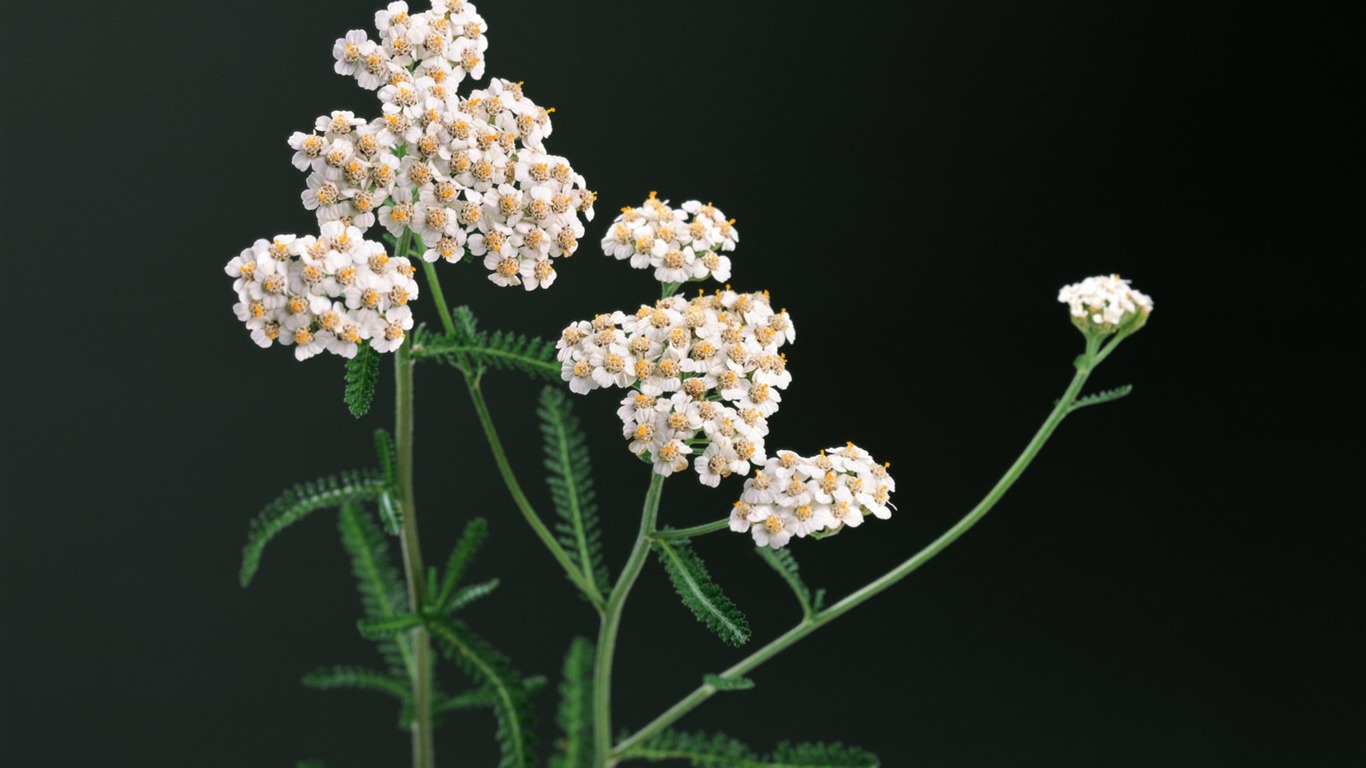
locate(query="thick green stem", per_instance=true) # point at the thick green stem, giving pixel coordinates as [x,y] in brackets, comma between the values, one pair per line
[583,581]
[412,558]
[611,623]
[820,619]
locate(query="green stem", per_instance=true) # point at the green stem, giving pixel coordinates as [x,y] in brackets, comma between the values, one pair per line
[821,618]
[696,530]
[582,580]
[434,283]
[611,623]
[412,557]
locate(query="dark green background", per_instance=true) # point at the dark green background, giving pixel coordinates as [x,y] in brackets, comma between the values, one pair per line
[1172,583]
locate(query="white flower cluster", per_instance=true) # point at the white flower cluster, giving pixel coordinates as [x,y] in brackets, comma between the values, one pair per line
[462,174]
[331,292]
[1104,302]
[679,244]
[703,372]
[797,496]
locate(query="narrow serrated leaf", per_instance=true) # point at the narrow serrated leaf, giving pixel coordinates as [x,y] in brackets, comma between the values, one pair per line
[382,592]
[728,683]
[511,706]
[575,716]
[362,371]
[820,755]
[700,594]
[471,539]
[471,350]
[296,503]
[570,480]
[388,627]
[783,561]
[1104,396]
[330,678]
[466,595]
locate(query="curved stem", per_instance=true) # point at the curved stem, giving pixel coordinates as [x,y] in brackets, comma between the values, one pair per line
[412,557]
[611,623]
[583,581]
[696,530]
[820,619]
[434,283]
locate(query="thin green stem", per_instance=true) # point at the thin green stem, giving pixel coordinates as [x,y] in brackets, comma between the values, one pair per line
[583,581]
[412,557]
[821,618]
[696,530]
[434,283]
[611,623]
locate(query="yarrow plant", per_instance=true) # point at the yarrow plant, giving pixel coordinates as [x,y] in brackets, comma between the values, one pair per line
[438,176]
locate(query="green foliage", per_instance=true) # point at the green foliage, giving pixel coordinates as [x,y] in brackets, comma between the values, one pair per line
[471,350]
[297,502]
[481,697]
[575,716]
[466,595]
[721,751]
[388,627]
[700,594]
[362,371]
[1104,396]
[728,683]
[384,598]
[387,455]
[331,678]
[462,554]
[511,704]
[571,485]
[309,764]
[699,749]
[821,755]
[783,561]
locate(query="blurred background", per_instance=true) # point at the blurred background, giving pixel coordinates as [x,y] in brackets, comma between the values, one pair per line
[1171,582]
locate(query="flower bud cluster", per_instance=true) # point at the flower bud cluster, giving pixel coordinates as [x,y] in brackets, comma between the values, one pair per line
[332,292]
[678,244]
[793,495]
[1104,304]
[704,376]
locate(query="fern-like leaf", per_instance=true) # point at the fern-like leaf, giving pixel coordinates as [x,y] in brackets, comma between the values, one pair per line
[1105,396]
[571,485]
[721,751]
[383,596]
[700,594]
[575,716]
[821,755]
[699,749]
[387,627]
[783,561]
[471,350]
[331,678]
[511,705]
[471,539]
[728,683]
[466,595]
[481,697]
[362,371]
[296,503]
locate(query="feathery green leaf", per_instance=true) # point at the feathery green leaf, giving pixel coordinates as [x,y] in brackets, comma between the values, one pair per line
[1105,396]
[699,749]
[294,504]
[481,697]
[330,678]
[470,349]
[466,595]
[783,561]
[511,704]
[383,594]
[700,594]
[362,371]
[820,755]
[471,539]
[378,628]
[721,751]
[571,485]
[728,683]
[575,716]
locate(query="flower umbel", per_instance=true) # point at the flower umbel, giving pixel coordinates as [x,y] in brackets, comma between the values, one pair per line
[678,244]
[1105,304]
